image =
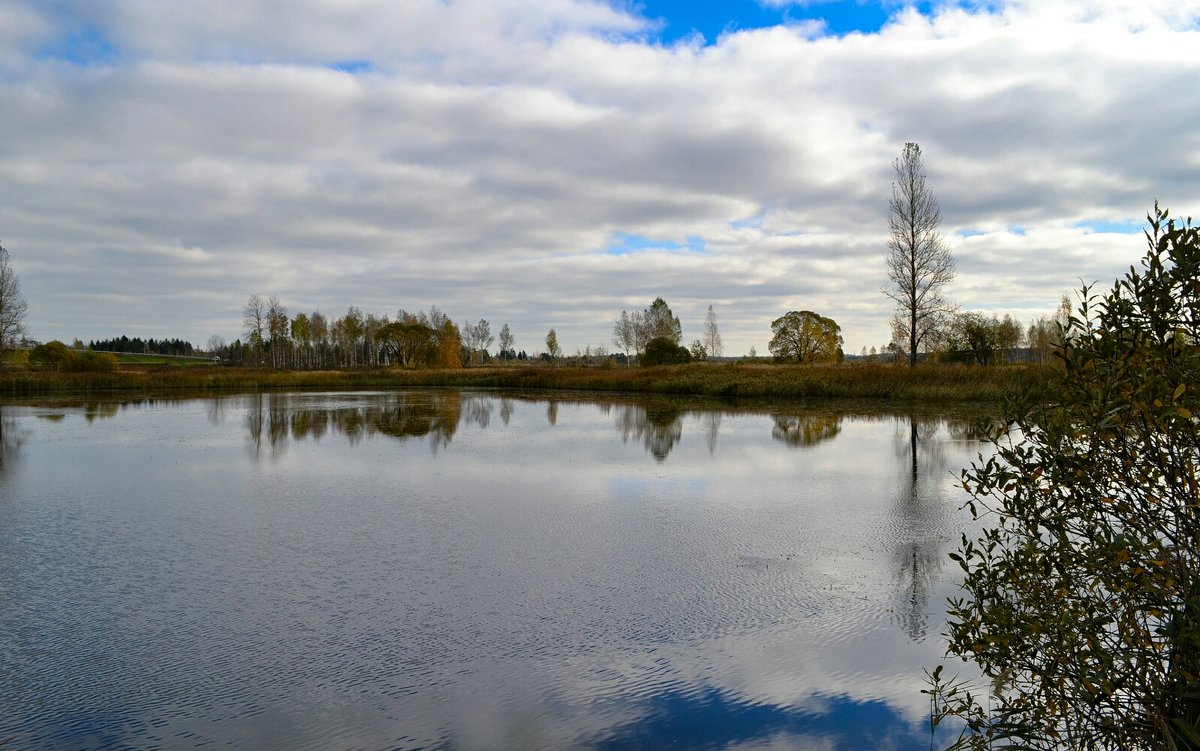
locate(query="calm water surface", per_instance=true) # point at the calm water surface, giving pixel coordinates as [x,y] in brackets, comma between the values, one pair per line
[453,570]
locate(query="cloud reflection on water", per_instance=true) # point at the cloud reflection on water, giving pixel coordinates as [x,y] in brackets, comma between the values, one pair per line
[484,571]
[916,527]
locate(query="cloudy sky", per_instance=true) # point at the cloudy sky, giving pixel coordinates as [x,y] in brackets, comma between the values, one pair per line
[548,163]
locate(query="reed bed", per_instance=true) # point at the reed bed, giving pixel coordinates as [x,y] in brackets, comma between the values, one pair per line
[935,383]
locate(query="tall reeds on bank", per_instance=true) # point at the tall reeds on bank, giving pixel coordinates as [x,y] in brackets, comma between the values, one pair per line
[932,383]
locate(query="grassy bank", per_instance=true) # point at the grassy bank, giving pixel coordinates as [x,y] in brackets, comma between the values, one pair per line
[125,358]
[886,382]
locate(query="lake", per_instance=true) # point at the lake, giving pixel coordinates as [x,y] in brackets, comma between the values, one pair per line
[469,570]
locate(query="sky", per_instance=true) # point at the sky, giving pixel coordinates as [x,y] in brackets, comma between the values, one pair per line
[550,163]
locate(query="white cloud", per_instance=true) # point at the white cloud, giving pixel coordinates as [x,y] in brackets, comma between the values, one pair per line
[486,153]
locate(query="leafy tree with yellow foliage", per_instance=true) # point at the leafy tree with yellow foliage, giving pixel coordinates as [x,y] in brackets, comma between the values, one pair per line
[805,337]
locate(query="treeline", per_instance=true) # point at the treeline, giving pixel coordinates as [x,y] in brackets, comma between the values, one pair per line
[140,346]
[974,338]
[314,341]
[430,339]
[654,336]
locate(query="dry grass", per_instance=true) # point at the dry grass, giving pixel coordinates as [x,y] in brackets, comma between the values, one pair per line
[937,383]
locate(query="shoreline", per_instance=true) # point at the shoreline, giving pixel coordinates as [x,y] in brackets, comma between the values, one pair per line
[893,383]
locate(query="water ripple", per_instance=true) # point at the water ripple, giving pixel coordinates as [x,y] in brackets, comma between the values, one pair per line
[378,596]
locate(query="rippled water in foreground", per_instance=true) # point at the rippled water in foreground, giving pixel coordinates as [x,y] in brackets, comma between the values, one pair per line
[462,571]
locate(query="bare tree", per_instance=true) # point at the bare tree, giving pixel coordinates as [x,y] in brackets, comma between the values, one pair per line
[641,331]
[319,333]
[712,337]
[12,305]
[1046,332]
[624,335]
[353,327]
[483,335]
[477,337]
[277,327]
[506,341]
[437,319]
[254,325]
[919,263]
[371,326]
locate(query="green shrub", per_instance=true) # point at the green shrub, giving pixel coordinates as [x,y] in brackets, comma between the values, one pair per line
[662,350]
[59,357]
[50,356]
[95,362]
[1082,595]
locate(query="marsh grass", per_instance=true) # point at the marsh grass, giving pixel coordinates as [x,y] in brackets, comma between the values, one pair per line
[933,383]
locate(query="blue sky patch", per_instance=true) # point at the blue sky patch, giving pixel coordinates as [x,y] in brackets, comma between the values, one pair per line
[710,719]
[680,19]
[86,47]
[1128,227]
[623,243]
[353,66]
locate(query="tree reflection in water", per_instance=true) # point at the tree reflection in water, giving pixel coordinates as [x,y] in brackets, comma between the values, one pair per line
[102,410]
[572,564]
[712,426]
[921,510]
[11,438]
[477,410]
[658,426]
[805,429]
[918,556]
[272,419]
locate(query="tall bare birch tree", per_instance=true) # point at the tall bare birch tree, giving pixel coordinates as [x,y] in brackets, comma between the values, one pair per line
[623,334]
[277,327]
[506,341]
[712,337]
[254,326]
[919,263]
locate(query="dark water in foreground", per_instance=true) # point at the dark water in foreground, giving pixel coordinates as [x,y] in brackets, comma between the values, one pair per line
[461,571]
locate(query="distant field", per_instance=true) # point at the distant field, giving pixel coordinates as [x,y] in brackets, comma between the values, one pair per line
[18,357]
[132,359]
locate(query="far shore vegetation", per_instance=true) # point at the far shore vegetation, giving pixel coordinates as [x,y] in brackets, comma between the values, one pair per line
[935,383]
